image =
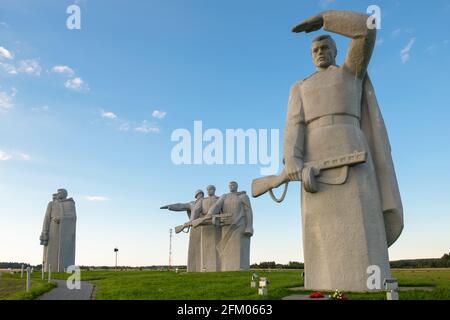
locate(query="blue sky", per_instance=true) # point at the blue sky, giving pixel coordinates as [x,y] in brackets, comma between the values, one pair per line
[92,110]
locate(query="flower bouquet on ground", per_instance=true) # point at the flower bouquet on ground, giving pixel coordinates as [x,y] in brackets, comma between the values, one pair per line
[337,295]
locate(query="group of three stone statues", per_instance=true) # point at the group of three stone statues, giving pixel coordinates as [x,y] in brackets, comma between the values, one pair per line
[335,142]
[220,230]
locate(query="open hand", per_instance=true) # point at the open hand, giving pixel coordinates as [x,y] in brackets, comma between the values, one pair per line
[309,25]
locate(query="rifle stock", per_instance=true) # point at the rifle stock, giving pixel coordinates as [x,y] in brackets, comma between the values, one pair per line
[264,184]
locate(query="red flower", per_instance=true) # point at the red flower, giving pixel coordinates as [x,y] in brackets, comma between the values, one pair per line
[315,295]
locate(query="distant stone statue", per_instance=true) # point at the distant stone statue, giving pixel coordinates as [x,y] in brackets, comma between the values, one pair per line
[58,232]
[350,214]
[210,235]
[194,210]
[234,245]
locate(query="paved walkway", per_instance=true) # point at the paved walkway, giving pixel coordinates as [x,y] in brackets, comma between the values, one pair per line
[63,293]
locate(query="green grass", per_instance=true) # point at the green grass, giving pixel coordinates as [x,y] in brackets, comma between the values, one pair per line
[156,285]
[12,287]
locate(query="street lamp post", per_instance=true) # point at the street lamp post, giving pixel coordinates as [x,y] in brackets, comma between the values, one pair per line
[116,250]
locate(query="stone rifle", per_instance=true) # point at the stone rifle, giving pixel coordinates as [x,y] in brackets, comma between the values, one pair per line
[310,170]
[216,219]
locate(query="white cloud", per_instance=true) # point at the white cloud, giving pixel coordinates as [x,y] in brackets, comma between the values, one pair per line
[4,25]
[30,66]
[63,70]
[76,84]
[146,128]
[404,53]
[97,198]
[8,68]
[380,42]
[4,156]
[5,101]
[159,114]
[5,53]
[109,115]
[24,157]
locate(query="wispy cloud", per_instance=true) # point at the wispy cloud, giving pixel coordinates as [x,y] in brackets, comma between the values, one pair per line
[326,3]
[5,53]
[6,101]
[24,157]
[4,25]
[41,109]
[76,84]
[405,52]
[379,42]
[159,114]
[109,115]
[396,33]
[125,126]
[30,66]
[8,68]
[96,198]
[5,156]
[145,127]
[63,70]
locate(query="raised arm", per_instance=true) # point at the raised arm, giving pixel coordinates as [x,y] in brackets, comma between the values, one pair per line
[294,133]
[349,24]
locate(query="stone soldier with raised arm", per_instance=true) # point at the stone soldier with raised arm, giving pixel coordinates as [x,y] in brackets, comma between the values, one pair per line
[350,215]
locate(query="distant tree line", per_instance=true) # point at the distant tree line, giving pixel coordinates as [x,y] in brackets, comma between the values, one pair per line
[14,265]
[274,265]
[443,262]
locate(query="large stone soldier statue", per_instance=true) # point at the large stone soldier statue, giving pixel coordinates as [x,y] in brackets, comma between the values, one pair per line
[350,215]
[234,246]
[194,210]
[58,232]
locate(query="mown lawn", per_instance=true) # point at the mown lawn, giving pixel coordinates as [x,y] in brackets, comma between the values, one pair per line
[12,287]
[161,285]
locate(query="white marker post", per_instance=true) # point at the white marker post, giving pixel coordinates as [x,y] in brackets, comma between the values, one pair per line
[28,279]
[49,273]
[42,272]
[21,272]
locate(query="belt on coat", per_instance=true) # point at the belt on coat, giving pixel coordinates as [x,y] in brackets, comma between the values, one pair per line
[334,119]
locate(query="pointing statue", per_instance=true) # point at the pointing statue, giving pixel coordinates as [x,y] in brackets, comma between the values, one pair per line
[335,142]
[58,233]
[193,209]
